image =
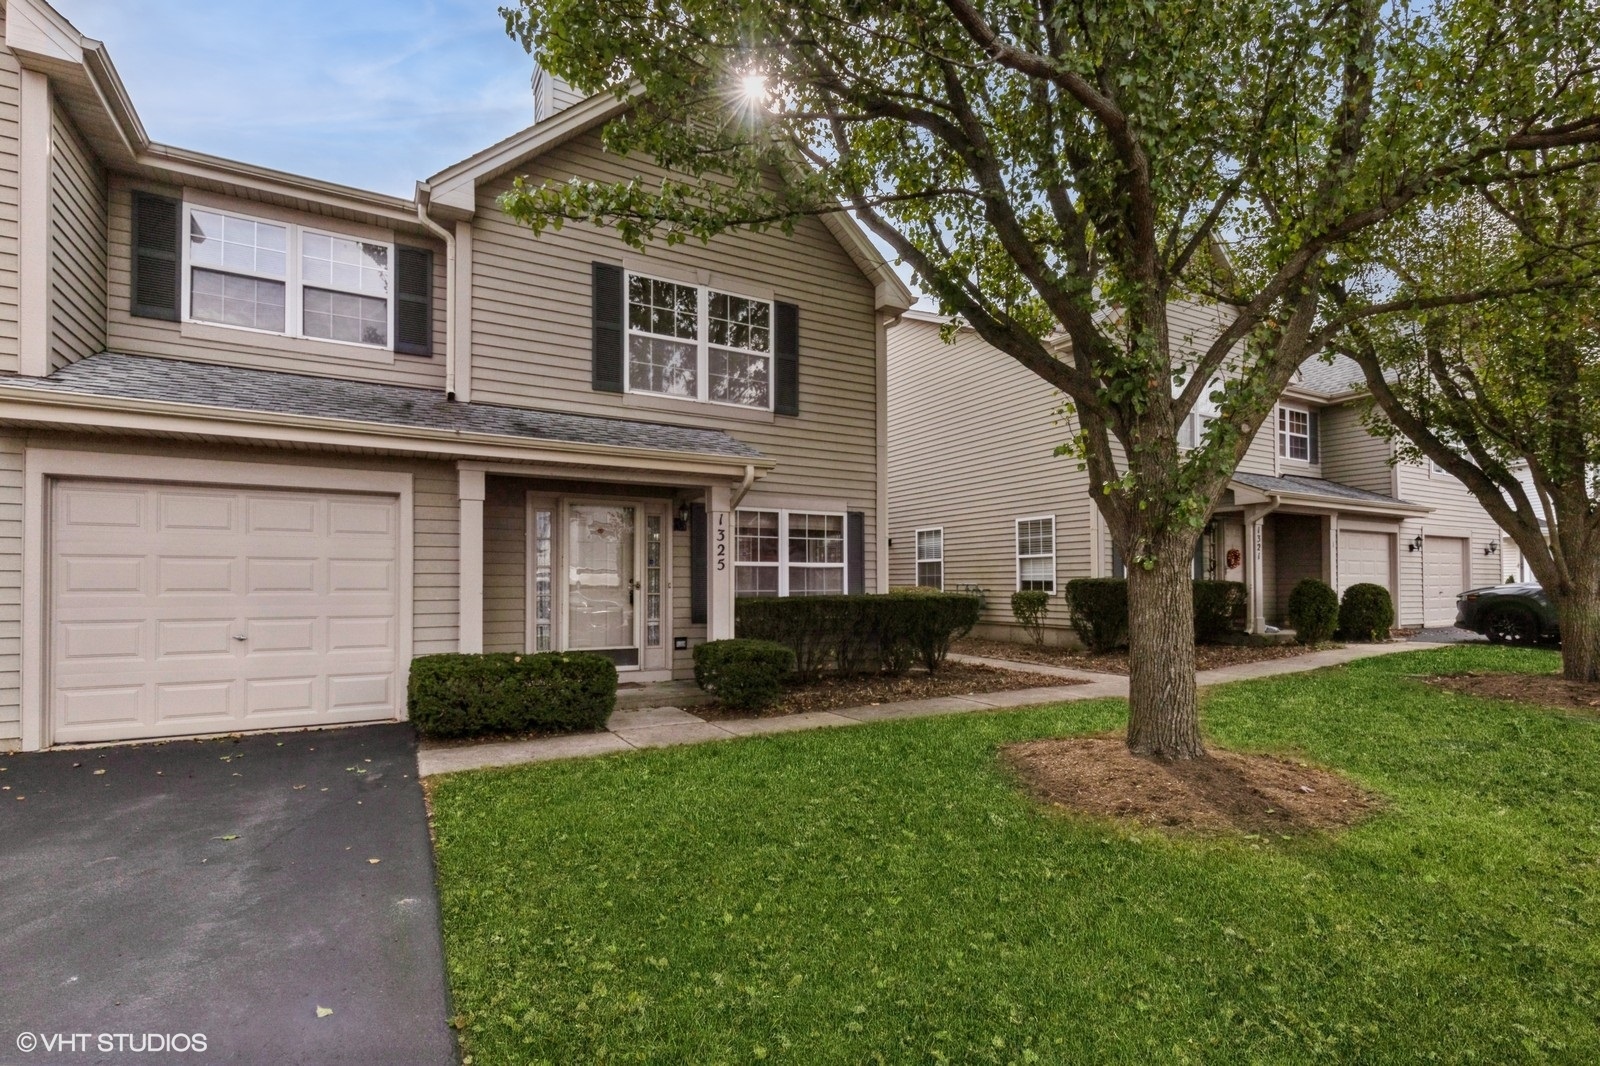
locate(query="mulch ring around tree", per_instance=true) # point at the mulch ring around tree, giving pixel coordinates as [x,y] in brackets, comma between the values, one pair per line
[1227,793]
[832,693]
[1542,690]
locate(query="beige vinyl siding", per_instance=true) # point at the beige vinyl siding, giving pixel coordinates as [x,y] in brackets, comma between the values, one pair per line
[1351,455]
[10,590]
[505,565]
[10,114]
[218,344]
[77,246]
[531,327]
[1456,513]
[436,563]
[971,449]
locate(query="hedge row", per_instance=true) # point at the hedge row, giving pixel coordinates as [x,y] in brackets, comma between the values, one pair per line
[456,695]
[1097,609]
[860,633]
[745,674]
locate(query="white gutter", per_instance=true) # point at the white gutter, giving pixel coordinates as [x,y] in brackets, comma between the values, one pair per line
[449,239]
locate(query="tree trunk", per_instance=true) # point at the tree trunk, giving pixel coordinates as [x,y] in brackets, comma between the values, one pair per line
[1162,715]
[1579,612]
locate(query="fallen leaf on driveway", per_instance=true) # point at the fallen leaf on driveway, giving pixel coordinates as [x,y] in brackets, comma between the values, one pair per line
[99,772]
[323,1012]
[230,836]
[297,788]
[374,862]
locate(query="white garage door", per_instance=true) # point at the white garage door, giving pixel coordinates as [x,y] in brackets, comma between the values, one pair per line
[179,609]
[1365,558]
[1444,578]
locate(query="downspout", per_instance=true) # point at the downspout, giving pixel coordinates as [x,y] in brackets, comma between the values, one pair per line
[449,239]
[744,486]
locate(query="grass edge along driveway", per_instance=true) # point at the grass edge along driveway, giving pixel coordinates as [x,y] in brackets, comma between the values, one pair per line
[884,894]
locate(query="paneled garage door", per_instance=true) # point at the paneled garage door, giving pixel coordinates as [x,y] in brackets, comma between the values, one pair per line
[1444,578]
[179,609]
[1365,558]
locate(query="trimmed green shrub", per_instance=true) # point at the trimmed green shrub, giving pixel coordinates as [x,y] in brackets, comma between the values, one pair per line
[1366,612]
[455,695]
[1313,611]
[1097,610]
[1218,609]
[1028,607]
[744,674]
[860,632]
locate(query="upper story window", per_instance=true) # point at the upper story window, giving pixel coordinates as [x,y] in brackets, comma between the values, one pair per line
[287,279]
[695,343]
[1295,431]
[1036,554]
[788,553]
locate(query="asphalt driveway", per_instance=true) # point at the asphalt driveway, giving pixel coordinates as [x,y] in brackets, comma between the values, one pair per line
[225,888]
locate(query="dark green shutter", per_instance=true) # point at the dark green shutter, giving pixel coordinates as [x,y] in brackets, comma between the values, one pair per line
[698,558]
[413,296]
[157,224]
[1314,433]
[855,552]
[786,359]
[610,305]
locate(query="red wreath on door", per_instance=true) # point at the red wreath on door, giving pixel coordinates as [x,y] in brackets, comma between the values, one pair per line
[1235,558]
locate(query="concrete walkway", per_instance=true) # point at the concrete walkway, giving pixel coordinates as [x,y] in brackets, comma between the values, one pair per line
[661,727]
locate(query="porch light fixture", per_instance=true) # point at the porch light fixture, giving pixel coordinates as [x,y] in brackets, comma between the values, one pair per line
[1415,545]
[1491,548]
[680,518]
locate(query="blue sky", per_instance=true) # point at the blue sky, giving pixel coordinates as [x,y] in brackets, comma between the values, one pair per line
[371,93]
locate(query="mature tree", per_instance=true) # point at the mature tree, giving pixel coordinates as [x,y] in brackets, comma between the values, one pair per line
[1504,393]
[1056,173]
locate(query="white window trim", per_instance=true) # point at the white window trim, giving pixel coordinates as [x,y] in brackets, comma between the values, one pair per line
[916,541]
[783,564]
[1285,434]
[294,288]
[702,342]
[1016,548]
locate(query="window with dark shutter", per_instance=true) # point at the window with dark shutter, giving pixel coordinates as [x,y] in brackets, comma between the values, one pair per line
[155,290]
[1314,423]
[609,329]
[699,593]
[855,551]
[786,359]
[413,301]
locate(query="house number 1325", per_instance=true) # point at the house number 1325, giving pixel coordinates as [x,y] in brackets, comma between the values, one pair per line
[722,541]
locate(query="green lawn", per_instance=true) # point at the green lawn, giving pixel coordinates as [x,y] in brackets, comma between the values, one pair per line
[883,894]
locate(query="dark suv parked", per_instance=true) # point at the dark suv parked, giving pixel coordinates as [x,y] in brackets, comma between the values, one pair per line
[1509,614]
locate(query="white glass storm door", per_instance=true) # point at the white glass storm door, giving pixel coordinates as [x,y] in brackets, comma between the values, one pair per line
[602,593]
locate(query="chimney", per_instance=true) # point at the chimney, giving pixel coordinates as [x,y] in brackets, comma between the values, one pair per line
[550,94]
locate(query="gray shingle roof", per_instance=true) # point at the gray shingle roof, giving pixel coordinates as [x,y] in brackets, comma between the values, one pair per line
[1314,486]
[139,377]
[1339,376]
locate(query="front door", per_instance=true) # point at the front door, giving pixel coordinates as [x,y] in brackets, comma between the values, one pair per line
[602,581]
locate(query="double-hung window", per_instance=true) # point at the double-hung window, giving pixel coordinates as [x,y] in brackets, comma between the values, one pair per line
[696,343]
[788,553]
[281,278]
[930,558]
[1036,554]
[1294,433]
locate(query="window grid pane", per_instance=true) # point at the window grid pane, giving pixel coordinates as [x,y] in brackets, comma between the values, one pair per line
[737,322]
[232,300]
[349,266]
[342,316]
[756,537]
[663,308]
[816,580]
[816,538]
[238,245]
[931,575]
[755,579]
[1036,558]
[930,545]
[740,378]
[664,366]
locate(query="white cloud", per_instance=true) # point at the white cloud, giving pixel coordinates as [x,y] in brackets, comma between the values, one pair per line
[372,93]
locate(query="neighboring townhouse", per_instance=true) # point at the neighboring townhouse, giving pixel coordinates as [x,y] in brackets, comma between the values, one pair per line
[263,439]
[978,499]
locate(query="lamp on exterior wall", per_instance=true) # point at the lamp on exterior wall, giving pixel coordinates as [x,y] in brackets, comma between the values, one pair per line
[1415,545]
[680,519]
[1491,548]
